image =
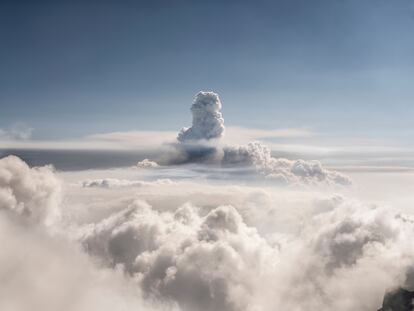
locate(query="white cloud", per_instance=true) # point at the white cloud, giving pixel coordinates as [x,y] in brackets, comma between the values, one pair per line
[256,161]
[200,262]
[130,140]
[41,266]
[282,170]
[212,260]
[49,273]
[147,164]
[208,123]
[236,135]
[32,192]
[134,139]
[215,235]
[113,183]
[147,140]
[18,131]
[201,245]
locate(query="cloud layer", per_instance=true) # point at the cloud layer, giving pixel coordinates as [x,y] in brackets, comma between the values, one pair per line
[212,260]
[198,246]
[115,183]
[41,266]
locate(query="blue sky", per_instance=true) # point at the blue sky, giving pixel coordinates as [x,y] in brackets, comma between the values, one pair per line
[341,67]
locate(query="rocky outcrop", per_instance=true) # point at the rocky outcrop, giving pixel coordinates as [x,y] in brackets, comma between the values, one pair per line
[398,300]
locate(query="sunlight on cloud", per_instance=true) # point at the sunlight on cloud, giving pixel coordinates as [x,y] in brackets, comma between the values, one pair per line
[194,244]
[204,225]
[201,144]
[208,122]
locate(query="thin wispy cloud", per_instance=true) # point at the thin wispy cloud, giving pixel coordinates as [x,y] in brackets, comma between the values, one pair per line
[17,132]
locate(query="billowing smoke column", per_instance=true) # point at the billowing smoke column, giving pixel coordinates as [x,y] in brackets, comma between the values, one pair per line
[208,122]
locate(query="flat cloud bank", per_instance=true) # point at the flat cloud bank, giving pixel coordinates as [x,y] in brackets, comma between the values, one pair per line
[256,157]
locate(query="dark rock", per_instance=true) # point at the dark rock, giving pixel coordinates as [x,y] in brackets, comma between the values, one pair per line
[398,300]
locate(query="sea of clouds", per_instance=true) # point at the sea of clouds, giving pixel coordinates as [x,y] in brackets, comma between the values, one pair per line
[231,228]
[164,244]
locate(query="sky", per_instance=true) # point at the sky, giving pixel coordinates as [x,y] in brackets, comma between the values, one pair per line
[340,67]
[206,155]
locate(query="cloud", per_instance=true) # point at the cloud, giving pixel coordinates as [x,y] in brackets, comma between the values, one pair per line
[42,267]
[194,147]
[40,271]
[256,162]
[286,171]
[147,164]
[343,247]
[18,131]
[133,139]
[236,135]
[200,262]
[31,192]
[200,246]
[212,260]
[114,183]
[208,123]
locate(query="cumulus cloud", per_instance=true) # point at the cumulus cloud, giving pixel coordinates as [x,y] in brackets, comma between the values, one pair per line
[212,260]
[49,273]
[146,163]
[194,147]
[32,192]
[256,161]
[200,262]
[286,171]
[202,244]
[210,253]
[208,122]
[42,267]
